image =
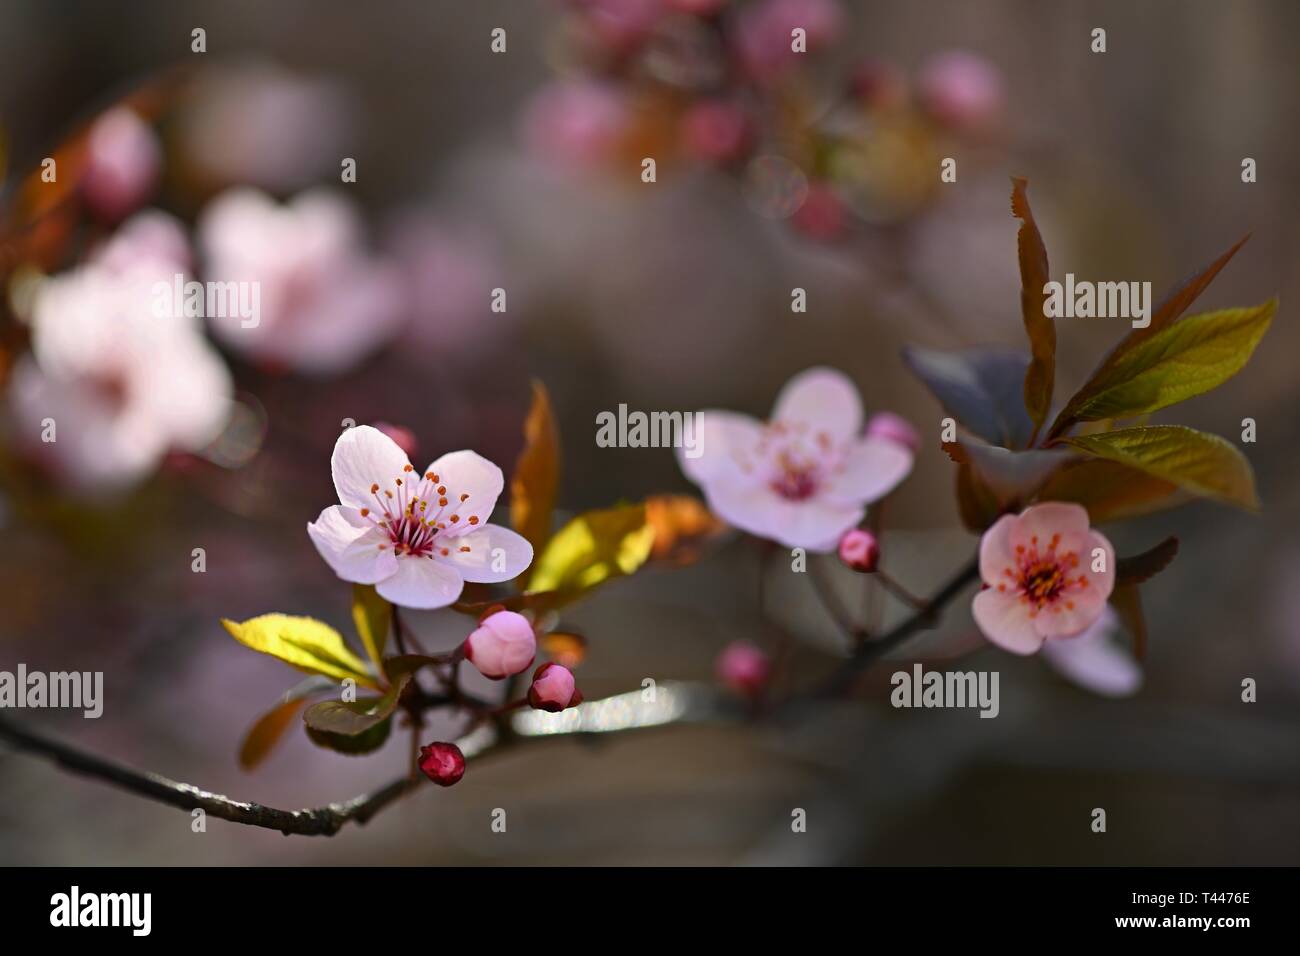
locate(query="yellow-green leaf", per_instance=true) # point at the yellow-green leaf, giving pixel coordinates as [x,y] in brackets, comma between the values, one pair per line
[1187,358]
[348,718]
[371,616]
[593,547]
[1040,377]
[270,727]
[1200,463]
[302,642]
[536,479]
[1109,490]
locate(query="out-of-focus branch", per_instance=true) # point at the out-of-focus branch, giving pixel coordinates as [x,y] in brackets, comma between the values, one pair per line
[670,703]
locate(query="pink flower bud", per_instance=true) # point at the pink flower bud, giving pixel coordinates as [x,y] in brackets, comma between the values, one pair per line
[553,689]
[859,550]
[503,644]
[961,90]
[895,428]
[716,131]
[743,667]
[443,763]
[823,214]
[122,162]
[404,438]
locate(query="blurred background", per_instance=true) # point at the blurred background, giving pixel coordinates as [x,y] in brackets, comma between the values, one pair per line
[521,171]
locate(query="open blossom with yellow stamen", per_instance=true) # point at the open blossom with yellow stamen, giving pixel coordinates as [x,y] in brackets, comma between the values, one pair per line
[417,536]
[1046,575]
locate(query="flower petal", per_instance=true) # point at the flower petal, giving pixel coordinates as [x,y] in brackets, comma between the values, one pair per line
[495,554]
[872,469]
[1043,521]
[1094,662]
[467,473]
[1103,581]
[1005,621]
[363,457]
[824,399]
[813,524]
[421,583]
[350,545]
[1072,613]
[725,442]
[996,553]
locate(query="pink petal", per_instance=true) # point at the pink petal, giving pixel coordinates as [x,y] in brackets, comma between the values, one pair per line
[1094,662]
[1058,620]
[350,544]
[996,551]
[469,473]
[872,469]
[1070,521]
[723,441]
[813,524]
[824,399]
[421,583]
[1005,621]
[363,457]
[1102,582]
[477,564]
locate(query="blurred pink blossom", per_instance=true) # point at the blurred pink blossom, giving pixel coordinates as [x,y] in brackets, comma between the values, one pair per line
[123,159]
[804,478]
[122,381]
[716,131]
[743,667]
[325,303]
[1094,661]
[576,122]
[1042,577]
[962,90]
[621,23]
[764,33]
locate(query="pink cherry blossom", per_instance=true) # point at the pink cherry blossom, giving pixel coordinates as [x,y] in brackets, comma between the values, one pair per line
[122,163]
[1094,661]
[805,477]
[553,689]
[1047,575]
[764,33]
[894,427]
[325,304]
[123,383]
[577,122]
[961,89]
[417,536]
[716,131]
[502,645]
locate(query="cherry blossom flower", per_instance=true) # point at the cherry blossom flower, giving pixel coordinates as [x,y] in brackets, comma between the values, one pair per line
[325,304]
[579,123]
[743,667]
[1047,575]
[417,536]
[1094,661]
[121,383]
[962,90]
[502,645]
[805,477]
[123,159]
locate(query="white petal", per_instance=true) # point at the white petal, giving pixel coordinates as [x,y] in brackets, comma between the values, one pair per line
[1093,662]
[421,583]
[724,442]
[495,554]
[872,469]
[469,473]
[350,545]
[824,399]
[363,457]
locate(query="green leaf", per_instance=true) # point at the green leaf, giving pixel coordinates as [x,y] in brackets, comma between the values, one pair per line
[270,727]
[1188,358]
[371,616]
[1144,566]
[350,718]
[536,478]
[1109,490]
[363,743]
[593,547]
[1200,463]
[302,642]
[1041,375]
[982,388]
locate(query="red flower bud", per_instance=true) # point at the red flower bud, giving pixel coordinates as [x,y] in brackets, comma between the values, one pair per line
[859,550]
[553,689]
[743,667]
[443,763]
